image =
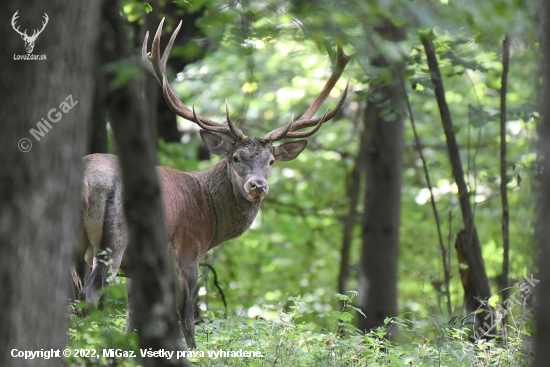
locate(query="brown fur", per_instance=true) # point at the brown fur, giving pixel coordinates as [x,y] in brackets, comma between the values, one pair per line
[203,209]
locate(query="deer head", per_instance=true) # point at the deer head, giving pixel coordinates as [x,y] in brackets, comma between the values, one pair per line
[249,160]
[29,40]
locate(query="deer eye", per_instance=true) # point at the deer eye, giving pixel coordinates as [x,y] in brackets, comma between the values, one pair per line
[271,162]
[235,159]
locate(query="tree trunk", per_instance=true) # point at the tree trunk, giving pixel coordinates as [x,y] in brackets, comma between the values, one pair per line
[381,217]
[503,279]
[98,134]
[478,281]
[350,220]
[542,316]
[40,188]
[349,223]
[152,285]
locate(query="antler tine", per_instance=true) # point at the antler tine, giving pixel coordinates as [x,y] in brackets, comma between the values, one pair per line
[145,58]
[236,132]
[305,134]
[306,119]
[341,61]
[218,129]
[151,61]
[156,65]
[300,124]
[280,132]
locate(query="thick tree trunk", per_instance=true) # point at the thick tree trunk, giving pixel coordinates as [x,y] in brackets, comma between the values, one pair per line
[542,317]
[40,188]
[152,290]
[382,212]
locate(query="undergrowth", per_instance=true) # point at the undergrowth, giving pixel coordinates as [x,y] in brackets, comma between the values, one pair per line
[278,338]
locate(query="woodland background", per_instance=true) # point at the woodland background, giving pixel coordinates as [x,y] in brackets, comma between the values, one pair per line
[353,212]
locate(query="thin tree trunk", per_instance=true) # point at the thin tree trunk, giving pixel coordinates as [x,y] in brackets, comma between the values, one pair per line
[542,316]
[152,285]
[40,188]
[446,265]
[351,219]
[479,281]
[382,211]
[503,284]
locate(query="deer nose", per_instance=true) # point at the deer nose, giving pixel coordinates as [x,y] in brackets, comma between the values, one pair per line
[259,187]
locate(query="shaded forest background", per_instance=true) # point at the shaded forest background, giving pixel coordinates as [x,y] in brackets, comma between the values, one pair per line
[354,212]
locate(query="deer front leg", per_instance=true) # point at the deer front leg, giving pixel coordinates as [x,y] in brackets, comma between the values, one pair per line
[188,272]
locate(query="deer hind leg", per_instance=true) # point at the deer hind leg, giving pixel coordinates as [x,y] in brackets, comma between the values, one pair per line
[108,249]
[80,268]
[188,273]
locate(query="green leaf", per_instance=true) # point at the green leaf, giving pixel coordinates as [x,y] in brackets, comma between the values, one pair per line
[342,297]
[346,317]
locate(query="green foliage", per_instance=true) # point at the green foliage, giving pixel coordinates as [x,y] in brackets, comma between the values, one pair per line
[283,338]
[102,330]
[269,69]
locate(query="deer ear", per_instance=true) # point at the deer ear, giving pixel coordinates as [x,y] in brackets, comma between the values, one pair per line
[216,144]
[289,151]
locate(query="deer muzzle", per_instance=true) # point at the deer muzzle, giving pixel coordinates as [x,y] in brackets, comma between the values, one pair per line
[257,188]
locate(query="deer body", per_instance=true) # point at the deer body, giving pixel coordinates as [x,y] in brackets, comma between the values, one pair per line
[202,209]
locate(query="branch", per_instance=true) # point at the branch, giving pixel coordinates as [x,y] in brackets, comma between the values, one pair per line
[210,267]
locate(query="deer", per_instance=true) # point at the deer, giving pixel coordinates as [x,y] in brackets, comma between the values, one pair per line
[29,40]
[203,208]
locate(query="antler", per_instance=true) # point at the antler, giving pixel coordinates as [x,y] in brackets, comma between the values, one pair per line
[157,66]
[13,19]
[37,32]
[289,131]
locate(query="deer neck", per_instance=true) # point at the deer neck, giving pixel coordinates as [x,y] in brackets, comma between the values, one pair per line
[232,212]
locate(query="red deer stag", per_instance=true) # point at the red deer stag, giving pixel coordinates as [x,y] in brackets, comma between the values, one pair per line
[204,208]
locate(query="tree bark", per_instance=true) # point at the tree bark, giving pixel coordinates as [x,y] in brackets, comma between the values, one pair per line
[542,316]
[350,220]
[152,285]
[479,281]
[503,284]
[98,135]
[40,188]
[382,211]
